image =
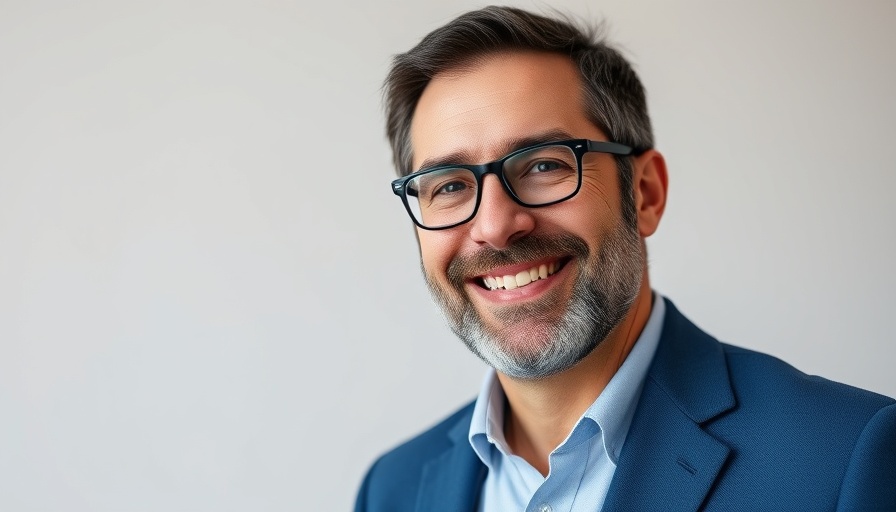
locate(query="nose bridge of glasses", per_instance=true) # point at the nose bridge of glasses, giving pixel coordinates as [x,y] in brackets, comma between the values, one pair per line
[496,193]
[490,168]
[496,168]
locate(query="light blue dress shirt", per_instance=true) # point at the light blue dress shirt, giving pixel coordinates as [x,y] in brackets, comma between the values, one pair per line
[582,466]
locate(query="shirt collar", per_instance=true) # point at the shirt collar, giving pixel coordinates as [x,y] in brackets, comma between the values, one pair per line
[612,411]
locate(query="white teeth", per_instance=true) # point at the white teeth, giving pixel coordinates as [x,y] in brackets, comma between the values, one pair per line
[522,279]
[510,283]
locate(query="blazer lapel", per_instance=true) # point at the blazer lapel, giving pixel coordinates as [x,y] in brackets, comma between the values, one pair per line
[451,481]
[668,462]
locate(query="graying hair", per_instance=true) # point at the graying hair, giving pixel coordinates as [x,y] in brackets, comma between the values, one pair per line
[614,97]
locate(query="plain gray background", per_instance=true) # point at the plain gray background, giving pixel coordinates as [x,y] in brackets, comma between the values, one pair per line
[211,301]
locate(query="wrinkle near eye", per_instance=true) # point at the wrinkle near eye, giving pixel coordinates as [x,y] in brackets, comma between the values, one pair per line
[598,188]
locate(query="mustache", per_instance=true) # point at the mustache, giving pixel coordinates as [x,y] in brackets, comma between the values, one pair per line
[528,248]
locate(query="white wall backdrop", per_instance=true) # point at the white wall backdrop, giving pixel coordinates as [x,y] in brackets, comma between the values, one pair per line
[210,301]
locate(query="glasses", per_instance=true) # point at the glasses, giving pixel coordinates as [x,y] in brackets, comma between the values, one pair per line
[541,175]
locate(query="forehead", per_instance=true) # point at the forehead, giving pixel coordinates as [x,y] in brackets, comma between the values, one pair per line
[478,111]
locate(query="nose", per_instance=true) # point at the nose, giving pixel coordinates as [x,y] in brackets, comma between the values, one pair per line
[500,220]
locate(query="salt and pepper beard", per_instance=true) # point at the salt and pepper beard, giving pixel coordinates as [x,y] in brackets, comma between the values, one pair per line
[605,289]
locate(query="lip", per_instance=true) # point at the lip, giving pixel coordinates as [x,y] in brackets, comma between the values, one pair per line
[528,292]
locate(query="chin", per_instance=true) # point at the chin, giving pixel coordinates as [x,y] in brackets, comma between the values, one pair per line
[530,351]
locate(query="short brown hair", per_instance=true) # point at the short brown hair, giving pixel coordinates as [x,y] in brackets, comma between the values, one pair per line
[614,97]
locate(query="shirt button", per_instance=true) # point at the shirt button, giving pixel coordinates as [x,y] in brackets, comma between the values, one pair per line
[545,508]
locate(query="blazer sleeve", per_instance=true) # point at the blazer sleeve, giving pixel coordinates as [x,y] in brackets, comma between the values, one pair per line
[870,480]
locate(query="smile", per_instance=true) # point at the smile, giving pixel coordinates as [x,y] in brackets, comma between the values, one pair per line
[521,279]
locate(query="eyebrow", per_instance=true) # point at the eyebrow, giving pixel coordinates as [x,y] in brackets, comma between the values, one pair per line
[462,156]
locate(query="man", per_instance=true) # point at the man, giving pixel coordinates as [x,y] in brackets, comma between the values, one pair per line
[528,168]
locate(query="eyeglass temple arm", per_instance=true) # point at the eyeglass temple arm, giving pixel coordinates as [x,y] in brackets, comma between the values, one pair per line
[613,148]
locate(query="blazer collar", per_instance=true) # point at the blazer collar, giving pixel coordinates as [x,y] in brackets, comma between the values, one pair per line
[668,462]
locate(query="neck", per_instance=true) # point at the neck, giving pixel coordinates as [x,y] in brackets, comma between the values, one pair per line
[543,412]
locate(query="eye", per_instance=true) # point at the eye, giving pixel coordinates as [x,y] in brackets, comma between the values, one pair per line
[546,166]
[445,186]
[451,187]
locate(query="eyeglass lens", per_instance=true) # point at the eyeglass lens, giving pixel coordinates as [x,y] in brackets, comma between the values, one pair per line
[538,176]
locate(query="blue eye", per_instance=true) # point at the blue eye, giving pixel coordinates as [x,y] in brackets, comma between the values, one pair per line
[545,166]
[454,186]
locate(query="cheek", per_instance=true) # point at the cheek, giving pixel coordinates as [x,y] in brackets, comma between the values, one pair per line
[436,250]
[590,215]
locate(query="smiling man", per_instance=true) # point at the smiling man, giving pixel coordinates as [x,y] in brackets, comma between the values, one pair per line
[527,165]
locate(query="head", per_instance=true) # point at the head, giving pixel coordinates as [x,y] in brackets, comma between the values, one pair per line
[494,81]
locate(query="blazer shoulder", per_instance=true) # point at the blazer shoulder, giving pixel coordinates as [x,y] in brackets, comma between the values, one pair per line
[429,443]
[756,373]
[836,439]
[392,482]
[709,362]
[806,417]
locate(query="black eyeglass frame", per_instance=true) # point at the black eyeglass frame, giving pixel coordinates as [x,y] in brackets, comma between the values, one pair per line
[578,146]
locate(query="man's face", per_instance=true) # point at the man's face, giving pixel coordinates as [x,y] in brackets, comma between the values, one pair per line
[585,265]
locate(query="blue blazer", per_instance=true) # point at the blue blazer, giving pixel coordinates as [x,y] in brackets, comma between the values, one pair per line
[716,428]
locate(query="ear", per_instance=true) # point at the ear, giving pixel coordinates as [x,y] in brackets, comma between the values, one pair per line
[651,185]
